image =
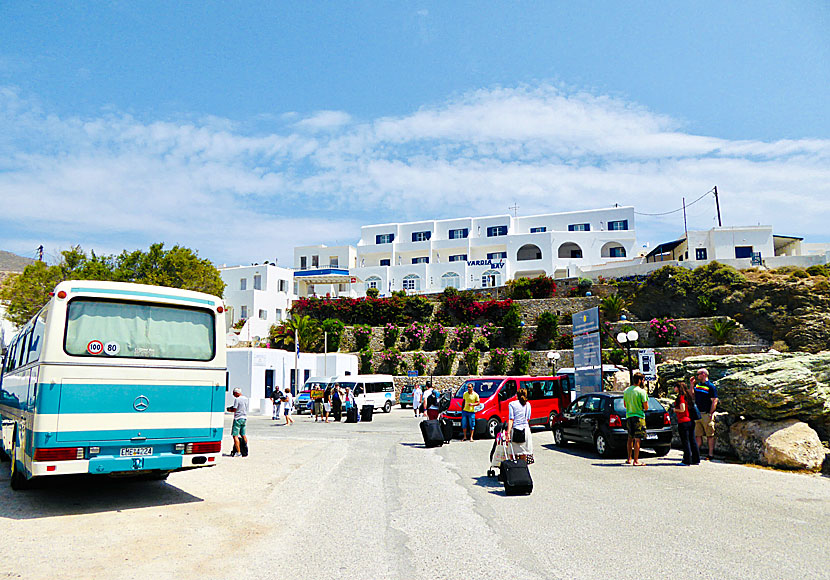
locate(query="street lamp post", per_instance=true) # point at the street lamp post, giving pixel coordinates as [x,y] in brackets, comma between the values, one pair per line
[553,356]
[625,339]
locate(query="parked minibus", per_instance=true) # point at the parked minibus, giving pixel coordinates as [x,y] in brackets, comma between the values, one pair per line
[115,379]
[377,390]
[545,394]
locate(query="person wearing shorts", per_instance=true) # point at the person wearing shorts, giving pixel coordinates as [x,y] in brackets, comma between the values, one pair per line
[635,399]
[288,406]
[706,398]
[468,413]
[239,408]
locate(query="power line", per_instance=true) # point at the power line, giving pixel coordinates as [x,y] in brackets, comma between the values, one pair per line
[678,209]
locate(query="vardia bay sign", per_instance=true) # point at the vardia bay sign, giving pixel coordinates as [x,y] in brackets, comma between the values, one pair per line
[491,263]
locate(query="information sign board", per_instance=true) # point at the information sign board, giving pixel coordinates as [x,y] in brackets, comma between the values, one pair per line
[587,363]
[585,321]
[647,363]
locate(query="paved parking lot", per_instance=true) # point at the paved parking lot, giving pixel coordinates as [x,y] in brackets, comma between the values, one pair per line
[368,501]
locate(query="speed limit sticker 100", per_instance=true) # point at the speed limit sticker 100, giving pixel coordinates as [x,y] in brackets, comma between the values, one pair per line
[95,347]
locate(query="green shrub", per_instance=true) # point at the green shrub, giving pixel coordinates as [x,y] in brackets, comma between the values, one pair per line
[365,357]
[584,284]
[437,337]
[615,356]
[612,307]
[547,327]
[463,336]
[450,291]
[511,325]
[446,357]
[419,363]
[482,344]
[362,336]
[565,342]
[519,289]
[334,328]
[399,293]
[800,274]
[521,361]
[390,359]
[721,329]
[498,361]
[471,358]
[372,292]
[417,308]
[819,270]
[390,335]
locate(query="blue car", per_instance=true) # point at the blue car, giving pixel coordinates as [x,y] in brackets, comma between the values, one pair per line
[406,396]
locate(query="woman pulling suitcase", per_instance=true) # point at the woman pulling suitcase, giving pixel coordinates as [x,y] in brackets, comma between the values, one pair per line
[518,428]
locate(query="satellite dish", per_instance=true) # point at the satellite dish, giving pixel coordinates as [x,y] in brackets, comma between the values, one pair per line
[231,339]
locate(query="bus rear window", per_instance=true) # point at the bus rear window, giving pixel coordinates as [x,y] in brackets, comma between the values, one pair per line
[113,329]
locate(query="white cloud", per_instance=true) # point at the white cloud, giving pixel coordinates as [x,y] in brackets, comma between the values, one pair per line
[114,181]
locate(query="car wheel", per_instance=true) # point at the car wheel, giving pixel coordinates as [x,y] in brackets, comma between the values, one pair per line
[601,445]
[552,419]
[18,480]
[387,406]
[559,437]
[662,451]
[492,426]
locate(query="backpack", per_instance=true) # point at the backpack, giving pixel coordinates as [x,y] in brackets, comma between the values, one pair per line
[432,400]
[444,402]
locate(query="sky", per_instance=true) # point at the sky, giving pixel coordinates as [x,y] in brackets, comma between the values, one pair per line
[245,129]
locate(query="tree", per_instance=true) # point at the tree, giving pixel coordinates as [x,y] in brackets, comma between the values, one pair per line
[179,267]
[307,331]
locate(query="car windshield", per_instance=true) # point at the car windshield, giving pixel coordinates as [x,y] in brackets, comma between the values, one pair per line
[315,386]
[653,405]
[484,388]
[406,389]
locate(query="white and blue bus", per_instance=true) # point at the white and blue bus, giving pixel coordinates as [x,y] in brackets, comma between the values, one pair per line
[115,379]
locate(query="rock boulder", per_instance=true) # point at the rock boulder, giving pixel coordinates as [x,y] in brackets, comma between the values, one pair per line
[789,444]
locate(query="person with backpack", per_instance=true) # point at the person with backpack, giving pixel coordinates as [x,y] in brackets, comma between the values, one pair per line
[276,400]
[431,398]
[686,412]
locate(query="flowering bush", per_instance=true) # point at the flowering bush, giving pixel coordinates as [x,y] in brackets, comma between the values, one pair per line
[488,330]
[419,363]
[365,357]
[362,336]
[237,326]
[463,336]
[663,330]
[446,357]
[471,358]
[465,308]
[521,361]
[368,310]
[414,335]
[498,361]
[437,337]
[390,335]
[391,360]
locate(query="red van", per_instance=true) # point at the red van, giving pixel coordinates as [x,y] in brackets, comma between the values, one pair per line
[545,394]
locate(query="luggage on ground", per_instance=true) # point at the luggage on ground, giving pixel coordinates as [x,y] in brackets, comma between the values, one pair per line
[351,415]
[433,436]
[446,428]
[515,475]
[366,412]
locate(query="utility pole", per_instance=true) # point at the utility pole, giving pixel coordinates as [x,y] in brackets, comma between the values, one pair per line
[40,253]
[685,226]
[515,209]
[717,205]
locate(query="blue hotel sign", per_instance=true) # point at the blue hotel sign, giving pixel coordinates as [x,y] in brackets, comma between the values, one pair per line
[490,263]
[585,321]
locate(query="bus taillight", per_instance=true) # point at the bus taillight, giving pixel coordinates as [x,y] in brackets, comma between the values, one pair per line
[59,454]
[203,447]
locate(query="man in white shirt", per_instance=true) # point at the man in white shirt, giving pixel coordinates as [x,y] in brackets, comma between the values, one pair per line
[417,396]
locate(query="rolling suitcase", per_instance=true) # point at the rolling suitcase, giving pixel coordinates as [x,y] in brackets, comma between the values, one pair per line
[366,412]
[515,475]
[433,436]
[446,429]
[351,415]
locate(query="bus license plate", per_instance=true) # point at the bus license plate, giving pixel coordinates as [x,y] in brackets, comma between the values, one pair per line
[136,451]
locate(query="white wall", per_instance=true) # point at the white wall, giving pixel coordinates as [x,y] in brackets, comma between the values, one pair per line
[247,367]
[274,302]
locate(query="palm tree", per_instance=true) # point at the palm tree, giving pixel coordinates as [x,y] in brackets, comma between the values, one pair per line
[307,331]
[612,306]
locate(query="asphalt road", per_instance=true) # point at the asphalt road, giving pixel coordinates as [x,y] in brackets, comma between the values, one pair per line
[367,501]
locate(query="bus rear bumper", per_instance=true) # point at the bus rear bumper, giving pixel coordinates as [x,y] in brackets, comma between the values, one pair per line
[109,464]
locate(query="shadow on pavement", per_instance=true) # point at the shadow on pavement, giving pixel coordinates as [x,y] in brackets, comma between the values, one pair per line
[490,483]
[74,495]
[575,450]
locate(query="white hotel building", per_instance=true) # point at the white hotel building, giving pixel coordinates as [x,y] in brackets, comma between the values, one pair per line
[466,253]
[260,294]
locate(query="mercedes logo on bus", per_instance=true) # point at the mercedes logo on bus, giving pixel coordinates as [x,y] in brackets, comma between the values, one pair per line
[141,403]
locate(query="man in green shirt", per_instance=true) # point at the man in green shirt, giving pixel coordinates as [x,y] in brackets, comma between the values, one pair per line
[635,400]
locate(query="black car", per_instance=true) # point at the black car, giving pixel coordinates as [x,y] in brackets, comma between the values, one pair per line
[599,419]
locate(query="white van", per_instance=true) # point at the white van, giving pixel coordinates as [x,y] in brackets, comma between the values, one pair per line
[377,390]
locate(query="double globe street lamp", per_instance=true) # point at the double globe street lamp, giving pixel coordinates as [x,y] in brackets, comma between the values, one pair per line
[626,339]
[553,357]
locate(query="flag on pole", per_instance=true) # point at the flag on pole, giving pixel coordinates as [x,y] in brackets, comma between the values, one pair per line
[297,343]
